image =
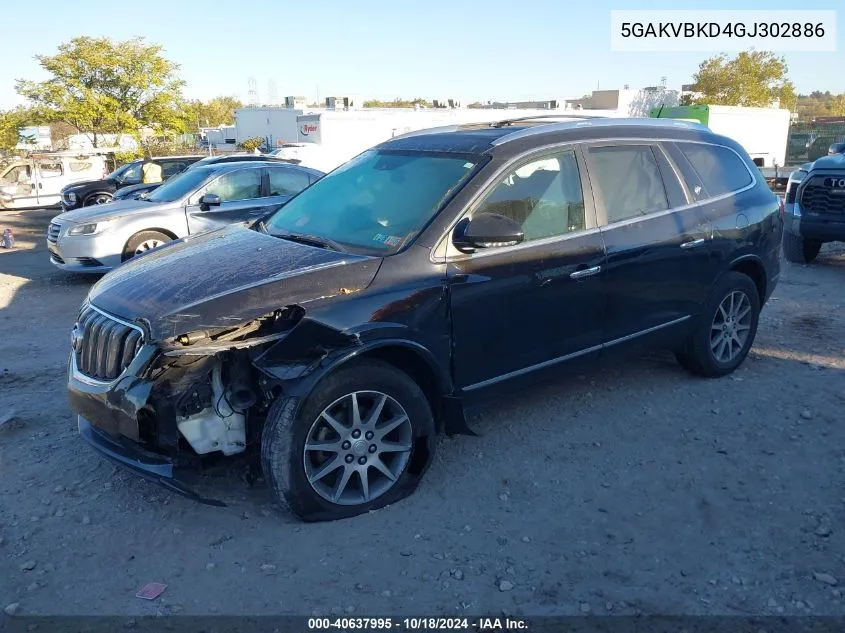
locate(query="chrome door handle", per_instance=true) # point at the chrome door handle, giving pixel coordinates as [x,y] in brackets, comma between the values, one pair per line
[587,272]
[693,243]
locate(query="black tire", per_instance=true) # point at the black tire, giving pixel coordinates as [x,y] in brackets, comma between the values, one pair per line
[100,197]
[799,250]
[143,237]
[698,355]
[289,424]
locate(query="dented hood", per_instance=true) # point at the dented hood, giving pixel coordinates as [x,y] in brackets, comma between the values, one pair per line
[223,278]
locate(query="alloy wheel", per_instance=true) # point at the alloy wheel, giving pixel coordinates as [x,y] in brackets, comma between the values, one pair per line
[98,199]
[731,326]
[357,448]
[147,245]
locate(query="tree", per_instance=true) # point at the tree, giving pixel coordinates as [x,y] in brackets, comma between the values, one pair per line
[212,113]
[102,86]
[752,78]
[11,121]
[397,103]
[252,144]
[820,104]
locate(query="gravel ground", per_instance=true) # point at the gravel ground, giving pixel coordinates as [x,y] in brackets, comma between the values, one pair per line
[635,488]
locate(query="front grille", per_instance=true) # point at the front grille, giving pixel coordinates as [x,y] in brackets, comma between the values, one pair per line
[57,258]
[53,232]
[104,346]
[820,196]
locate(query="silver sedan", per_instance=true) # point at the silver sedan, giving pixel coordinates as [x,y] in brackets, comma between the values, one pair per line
[99,238]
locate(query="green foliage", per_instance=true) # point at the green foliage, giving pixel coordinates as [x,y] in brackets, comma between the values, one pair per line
[820,104]
[752,79]
[212,113]
[251,144]
[100,86]
[121,158]
[12,120]
[397,103]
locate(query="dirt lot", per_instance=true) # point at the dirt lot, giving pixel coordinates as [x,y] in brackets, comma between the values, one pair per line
[631,489]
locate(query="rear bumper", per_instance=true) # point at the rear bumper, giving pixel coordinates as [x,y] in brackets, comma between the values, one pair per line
[129,455]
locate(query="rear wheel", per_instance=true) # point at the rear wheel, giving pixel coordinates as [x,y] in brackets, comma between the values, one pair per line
[726,328]
[799,250]
[360,441]
[143,242]
[97,198]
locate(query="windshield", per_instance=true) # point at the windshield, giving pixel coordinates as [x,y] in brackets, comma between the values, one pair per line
[180,185]
[118,173]
[376,202]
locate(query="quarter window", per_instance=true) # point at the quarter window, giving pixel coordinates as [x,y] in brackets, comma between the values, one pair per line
[721,171]
[629,179]
[543,196]
[287,182]
[237,185]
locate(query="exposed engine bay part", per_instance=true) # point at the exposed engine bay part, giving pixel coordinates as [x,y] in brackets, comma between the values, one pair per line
[221,426]
[262,330]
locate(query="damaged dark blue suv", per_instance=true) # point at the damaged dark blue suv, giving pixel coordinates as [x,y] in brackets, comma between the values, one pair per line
[334,339]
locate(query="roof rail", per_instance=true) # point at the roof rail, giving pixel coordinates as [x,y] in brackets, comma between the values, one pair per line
[541,117]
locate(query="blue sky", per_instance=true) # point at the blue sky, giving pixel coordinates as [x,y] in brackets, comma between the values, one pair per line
[490,49]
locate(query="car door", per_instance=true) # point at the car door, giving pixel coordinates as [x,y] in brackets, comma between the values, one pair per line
[520,308]
[714,174]
[659,246]
[241,199]
[50,177]
[19,183]
[284,182]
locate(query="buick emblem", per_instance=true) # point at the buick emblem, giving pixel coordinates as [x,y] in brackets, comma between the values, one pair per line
[75,338]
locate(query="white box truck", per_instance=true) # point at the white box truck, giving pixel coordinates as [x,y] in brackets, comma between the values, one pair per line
[341,135]
[761,131]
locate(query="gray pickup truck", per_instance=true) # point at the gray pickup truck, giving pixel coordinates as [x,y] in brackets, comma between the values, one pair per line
[814,208]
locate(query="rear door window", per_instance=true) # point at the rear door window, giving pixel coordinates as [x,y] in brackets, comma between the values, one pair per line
[628,179]
[237,185]
[719,168]
[170,169]
[287,182]
[50,170]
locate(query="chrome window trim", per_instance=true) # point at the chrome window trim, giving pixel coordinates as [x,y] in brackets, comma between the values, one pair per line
[560,359]
[446,258]
[83,378]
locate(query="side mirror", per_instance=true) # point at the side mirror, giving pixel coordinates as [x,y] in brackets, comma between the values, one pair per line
[836,148]
[209,200]
[485,231]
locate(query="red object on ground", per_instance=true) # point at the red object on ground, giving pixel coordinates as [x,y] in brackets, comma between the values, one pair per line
[151,591]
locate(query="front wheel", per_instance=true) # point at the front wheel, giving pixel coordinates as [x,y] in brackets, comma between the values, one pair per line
[360,441]
[726,328]
[97,198]
[144,241]
[799,250]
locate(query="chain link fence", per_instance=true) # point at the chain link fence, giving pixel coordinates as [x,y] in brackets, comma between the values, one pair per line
[810,141]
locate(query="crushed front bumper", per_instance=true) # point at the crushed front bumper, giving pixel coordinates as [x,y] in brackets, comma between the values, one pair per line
[108,421]
[151,466]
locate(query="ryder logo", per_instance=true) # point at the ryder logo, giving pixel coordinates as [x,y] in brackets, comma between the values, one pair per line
[308,129]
